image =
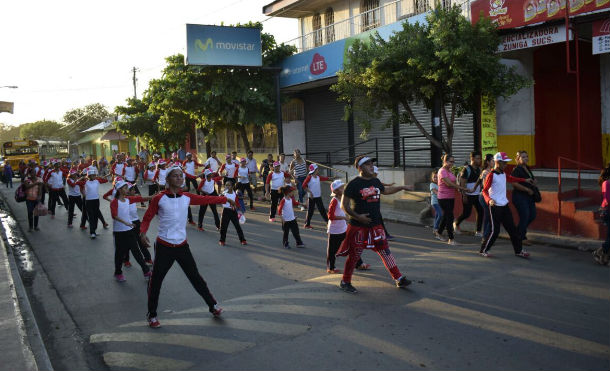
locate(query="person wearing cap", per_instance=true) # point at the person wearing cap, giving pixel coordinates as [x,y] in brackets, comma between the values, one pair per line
[171,244]
[361,202]
[494,191]
[289,220]
[92,200]
[229,214]
[118,168]
[135,219]
[130,173]
[160,175]
[148,177]
[123,231]
[311,185]
[213,162]
[229,169]
[243,180]
[190,166]
[74,195]
[54,181]
[207,188]
[275,180]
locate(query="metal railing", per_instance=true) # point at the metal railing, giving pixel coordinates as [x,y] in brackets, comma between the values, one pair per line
[560,193]
[371,19]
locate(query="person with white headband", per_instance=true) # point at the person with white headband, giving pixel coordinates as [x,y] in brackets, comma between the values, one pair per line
[92,200]
[311,185]
[171,244]
[361,202]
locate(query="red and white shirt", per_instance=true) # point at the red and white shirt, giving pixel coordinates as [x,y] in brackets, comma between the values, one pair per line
[230,170]
[74,187]
[494,187]
[121,209]
[336,226]
[149,176]
[55,180]
[172,211]
[207,186]
[129,172]
[286,208]
[118,168]
[92,188]
[160,176]
[189,168]
[229,196]
[276,180]
[313,184]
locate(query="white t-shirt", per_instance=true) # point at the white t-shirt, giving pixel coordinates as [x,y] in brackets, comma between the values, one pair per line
[230,196]
[242,175]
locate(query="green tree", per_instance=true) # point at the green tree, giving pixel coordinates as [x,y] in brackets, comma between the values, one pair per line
[448,61]
[80,119]
[8,132]
[44,129]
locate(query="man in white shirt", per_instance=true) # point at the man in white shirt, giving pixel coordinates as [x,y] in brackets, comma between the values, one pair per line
[252,169]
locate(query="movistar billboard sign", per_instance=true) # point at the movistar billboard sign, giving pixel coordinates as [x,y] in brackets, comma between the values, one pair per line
[223,46]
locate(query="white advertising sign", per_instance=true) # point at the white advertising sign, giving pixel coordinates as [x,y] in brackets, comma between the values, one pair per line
[533,37]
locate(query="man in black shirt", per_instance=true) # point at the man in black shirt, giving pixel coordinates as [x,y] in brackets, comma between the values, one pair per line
[469,178]
[361,201]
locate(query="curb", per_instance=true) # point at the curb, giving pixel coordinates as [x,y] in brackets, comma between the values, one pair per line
[32,338]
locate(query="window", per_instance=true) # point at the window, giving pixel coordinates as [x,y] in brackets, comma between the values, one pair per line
[370,14]
[329,19]
[316,23]
[422,6]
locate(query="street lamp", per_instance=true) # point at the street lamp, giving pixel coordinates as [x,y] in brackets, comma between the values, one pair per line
[9,86]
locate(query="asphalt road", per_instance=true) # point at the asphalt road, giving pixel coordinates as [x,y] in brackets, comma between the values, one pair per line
[284,312]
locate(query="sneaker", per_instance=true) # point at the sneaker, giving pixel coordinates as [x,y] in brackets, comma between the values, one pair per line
[364,267]
[119,278]
[127,264]
[333,271]
[439,236]
[451,242]
[272,220]
[307,226]
[403,282]
[216,310]
[153,322]
[347,287]
[389,237]
[478,234]
[217,229]
[83,227]
[523,254]
[148,262]
[70,226]
[200,229]
[286,246]
[302,208]
[485,254]
[300,246]
[456,228]
[105,225]
[147,275]
[244,242]
[93,235]
[52,216]
[36,228]
[221,243]
[192,223]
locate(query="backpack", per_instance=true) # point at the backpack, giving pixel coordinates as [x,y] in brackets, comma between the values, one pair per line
[20,193]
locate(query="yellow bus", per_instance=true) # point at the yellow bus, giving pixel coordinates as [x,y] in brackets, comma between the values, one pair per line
[15,151]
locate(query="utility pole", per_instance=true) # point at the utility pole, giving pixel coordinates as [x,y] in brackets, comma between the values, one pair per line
[134,70]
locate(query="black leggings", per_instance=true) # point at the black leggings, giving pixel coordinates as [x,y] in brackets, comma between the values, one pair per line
[447,205]
[54,196]
[93,211]
[246,187]
[502,215]
[291,226]
[275,196]
[123,243]
[32,220]
[203,209]
[164,259]
[190,181]
[334,242]
[142,248]
[467,203]
[74,200]
[317,201]
[152,189]
[230,215]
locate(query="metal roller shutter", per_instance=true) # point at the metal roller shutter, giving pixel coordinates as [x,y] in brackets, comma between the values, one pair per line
[463,138]
[325,129]
[379,138]
[417,158]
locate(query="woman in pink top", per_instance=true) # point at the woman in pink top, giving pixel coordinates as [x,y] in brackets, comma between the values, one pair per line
[602,255]
[446,196]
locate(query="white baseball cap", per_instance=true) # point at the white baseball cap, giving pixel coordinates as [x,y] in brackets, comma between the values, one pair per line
[121,183]
[336,185]
[501,156]
[312,168]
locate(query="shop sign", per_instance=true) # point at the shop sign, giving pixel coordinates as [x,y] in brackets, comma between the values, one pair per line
[223,46]
[518,13]
[489,130]
[601,36]
[533,37]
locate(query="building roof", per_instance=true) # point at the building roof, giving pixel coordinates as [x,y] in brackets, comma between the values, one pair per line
[294,8]
[101,126]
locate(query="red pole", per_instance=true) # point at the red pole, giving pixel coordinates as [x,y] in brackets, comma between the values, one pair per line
[577,104]
[559,196]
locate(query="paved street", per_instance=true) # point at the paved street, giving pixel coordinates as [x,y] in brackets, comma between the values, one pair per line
[283,312]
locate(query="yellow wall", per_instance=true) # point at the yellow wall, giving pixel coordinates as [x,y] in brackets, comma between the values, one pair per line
[513,143]
[606,148]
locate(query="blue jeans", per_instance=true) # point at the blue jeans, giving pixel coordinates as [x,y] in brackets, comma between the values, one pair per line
[32,220]
[438,215]
[526,207]
[300,181]
[486,218]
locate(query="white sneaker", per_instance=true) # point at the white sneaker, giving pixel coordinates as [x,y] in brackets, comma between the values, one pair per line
[456,228]
[302,208]
[478,234]
[93,235]
[451,242]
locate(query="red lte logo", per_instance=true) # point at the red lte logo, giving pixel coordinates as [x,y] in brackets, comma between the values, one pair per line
[318,65]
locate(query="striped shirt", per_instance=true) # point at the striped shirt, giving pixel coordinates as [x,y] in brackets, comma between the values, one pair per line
[300,168]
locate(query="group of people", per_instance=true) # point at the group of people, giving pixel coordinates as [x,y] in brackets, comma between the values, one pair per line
[482,185]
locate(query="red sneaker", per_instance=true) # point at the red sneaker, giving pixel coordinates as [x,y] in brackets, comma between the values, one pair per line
[153,322]
[221,243]
[308,226]
[149,262]
[127,264]
[192,223]
[364,267]
[216,311]
[244,242]
[333,271]
[200,229]
[83,227]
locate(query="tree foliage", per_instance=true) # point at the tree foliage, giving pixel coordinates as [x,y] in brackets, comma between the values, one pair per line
[44,129]
[447,60]
[9,132]
[80,119]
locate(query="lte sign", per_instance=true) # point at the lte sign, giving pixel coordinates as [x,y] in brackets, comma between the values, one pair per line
[223,46]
